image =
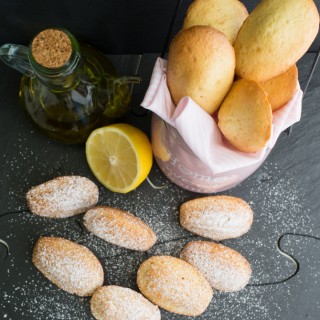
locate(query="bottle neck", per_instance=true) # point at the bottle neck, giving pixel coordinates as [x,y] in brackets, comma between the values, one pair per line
[64,77]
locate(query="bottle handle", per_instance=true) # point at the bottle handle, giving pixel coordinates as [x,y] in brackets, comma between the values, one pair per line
[118,94]
[16,57]
[127,80]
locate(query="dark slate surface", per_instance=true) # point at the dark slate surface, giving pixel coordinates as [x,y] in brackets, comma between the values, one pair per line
[114,26]
[284,194]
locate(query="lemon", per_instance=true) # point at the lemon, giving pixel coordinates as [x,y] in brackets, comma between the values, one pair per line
[120,156]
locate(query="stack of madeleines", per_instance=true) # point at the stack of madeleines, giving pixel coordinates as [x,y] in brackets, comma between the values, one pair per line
[241,66]
[184,286]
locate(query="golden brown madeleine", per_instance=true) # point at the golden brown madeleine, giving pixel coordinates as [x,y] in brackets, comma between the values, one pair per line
[245,116]
[226,16]
[70,266]
[63,197]
[174,285]
[282,88]
[201,65]
[216,217]
[119,303]
[224,268]
[120,228]
[274,37]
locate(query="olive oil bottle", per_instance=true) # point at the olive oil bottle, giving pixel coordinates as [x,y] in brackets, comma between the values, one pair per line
[68,89]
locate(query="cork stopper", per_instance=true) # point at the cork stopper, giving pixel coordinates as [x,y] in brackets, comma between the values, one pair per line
[51,48]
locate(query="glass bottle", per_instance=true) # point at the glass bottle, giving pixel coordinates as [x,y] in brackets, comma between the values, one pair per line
[67,89]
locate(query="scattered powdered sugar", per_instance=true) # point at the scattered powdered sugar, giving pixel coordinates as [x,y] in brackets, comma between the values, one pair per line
[278,204]
[33,298]
[25,293]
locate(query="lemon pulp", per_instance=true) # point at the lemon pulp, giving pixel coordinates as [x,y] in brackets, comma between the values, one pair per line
[120,156]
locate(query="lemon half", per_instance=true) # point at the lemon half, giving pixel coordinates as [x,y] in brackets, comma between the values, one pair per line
[120,156]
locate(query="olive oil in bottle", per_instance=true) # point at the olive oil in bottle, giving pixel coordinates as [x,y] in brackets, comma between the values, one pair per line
[69,89]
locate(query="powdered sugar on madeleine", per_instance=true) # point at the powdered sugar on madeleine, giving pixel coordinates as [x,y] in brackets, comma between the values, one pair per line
[224,268]
[120,228]
[63,197]
[70,266]
[216,217]
[174,285]
[119,303]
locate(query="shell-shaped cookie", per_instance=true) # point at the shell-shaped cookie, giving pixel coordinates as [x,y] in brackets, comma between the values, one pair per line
[216,217]
[63,197]
[174,285]
[226,16]
[282,88]
[120,228]
[224,268]
[70,266]
[201,63]
[245,116]
[119,303]
[274,37]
